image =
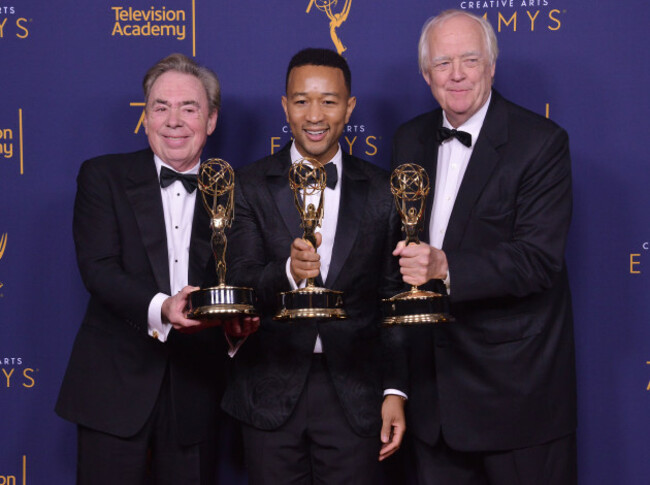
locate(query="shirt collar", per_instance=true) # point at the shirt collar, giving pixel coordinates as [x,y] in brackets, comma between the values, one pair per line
[337,159]
[160,163]
[474,124]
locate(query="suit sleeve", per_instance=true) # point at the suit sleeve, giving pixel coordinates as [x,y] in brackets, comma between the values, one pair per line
[530,252]
[393,338]
[248,263]
[98,240]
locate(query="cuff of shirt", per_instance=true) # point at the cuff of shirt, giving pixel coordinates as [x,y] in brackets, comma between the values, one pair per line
[156,328]
[292,282]
[395,392]
[447,282]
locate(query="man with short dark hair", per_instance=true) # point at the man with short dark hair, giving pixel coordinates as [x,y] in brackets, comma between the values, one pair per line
[309,392]
[492,395]
[142,381]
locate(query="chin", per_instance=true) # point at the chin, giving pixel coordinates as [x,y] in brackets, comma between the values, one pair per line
[459,110]
[314,152]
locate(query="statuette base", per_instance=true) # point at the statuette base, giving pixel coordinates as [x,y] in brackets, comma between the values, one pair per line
[311,302]
[221,301]
[416,307]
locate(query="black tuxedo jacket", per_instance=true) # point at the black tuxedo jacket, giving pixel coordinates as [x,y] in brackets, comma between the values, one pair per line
[501,376]
[270,369]
[116,369]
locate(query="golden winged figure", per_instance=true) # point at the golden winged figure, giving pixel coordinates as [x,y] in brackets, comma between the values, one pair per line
[336,19]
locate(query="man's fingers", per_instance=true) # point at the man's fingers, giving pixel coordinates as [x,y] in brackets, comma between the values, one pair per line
[394,442]
[232,327]
[386,430]
[387,450]
[241,326]
[250,325]
[319,239]
[303,245]
[398,249]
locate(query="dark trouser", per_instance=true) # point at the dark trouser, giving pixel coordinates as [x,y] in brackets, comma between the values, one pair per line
[552,463]
[315,445]
[152,456]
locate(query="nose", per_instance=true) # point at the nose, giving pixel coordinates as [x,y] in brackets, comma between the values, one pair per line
[457,70]
[314,113]
[173,117]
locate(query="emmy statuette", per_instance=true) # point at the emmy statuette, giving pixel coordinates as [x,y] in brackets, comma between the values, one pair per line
[216,184]
[307,178]
[409,184]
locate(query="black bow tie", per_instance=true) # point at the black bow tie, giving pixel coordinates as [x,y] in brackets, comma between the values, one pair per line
[332,175]
[188,180]
[462,136]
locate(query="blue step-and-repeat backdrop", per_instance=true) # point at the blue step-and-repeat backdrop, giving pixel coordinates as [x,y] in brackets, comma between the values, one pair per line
[70,89]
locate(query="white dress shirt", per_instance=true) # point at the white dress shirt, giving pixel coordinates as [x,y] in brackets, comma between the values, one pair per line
[331,202]
[453,158]
[178,209]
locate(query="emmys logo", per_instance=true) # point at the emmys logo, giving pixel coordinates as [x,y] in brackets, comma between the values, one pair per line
[3,246]
[14,375]
[355,141]
[15,27]
[13,479]
[535,17]
[336,19]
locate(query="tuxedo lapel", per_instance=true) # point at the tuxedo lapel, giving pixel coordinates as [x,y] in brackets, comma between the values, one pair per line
[354,193]
[200,247]
[278,183]
[430,164]
[143,192]
[482,163]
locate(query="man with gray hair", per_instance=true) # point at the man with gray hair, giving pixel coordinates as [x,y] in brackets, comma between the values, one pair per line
[142,381]
[491,395]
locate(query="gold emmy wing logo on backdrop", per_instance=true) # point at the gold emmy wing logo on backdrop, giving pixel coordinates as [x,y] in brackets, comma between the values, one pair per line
[336,19]
[3,246]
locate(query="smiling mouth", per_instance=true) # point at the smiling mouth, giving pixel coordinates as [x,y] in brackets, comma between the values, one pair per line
[175,140]
[316,135]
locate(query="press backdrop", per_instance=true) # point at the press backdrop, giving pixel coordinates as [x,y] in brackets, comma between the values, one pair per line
[70,76]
